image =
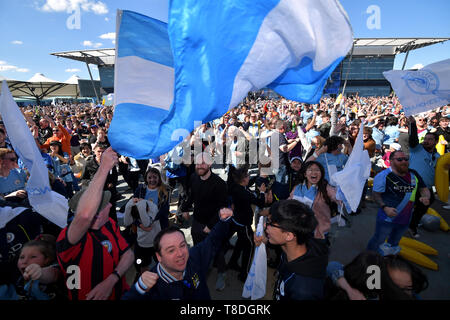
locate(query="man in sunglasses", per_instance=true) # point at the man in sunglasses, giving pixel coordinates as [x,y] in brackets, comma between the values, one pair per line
[12,179]
[395,190]
[424,157]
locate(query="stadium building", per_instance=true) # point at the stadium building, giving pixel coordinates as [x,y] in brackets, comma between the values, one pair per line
[360,72]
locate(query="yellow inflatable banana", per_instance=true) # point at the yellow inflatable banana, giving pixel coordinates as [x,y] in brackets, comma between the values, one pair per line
[418,246]
[417,258]
[443,224]
[440,147]
[441,177]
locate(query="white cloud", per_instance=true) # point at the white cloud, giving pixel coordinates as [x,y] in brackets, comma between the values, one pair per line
[114,41]
[96,7]
[417,66]
[88,43]
[73,70]
[106,19]
[17,42]
[110,35]
[7,67]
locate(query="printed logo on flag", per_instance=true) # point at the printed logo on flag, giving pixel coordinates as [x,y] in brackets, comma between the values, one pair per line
[422,82]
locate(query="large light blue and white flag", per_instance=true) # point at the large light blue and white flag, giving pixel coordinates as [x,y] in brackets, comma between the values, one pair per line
[221,51]
[46,202]
[424,89]
[351,180]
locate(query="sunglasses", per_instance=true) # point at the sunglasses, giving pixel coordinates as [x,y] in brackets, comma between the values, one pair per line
[270,223]
[402,159]
[11,159]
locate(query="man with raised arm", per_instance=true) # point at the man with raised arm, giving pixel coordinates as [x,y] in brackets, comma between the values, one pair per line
[91,247]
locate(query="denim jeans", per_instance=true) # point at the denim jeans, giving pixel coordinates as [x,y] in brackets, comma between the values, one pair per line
[384,230]
[280,174]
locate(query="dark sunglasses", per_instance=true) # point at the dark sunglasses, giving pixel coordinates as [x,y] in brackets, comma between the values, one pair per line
[270,223]
[11,159]
[402,159]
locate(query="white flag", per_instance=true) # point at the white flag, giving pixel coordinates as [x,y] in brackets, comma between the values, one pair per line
[255,285]
[350,181]
[46,202]
[424,89]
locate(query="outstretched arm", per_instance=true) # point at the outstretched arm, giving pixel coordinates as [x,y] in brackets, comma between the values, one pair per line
[91,198]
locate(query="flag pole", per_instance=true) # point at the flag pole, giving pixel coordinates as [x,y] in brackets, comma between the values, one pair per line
[348,70]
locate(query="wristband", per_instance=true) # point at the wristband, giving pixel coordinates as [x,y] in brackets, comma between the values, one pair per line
[116,274]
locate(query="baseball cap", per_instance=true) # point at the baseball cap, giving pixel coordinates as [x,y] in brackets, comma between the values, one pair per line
[73,202]
[295,158]
[396,146]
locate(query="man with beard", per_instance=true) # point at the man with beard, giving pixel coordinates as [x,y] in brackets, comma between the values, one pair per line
[424,157]
[208,194]
[395,190]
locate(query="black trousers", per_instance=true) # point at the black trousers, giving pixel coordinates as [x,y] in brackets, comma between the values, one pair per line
[244,245]
[419,210]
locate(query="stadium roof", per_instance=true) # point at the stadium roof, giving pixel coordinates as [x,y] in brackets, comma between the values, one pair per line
[392,45]
[363,46]
[94,56]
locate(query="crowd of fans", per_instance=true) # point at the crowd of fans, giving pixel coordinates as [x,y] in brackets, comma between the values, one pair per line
[297,198]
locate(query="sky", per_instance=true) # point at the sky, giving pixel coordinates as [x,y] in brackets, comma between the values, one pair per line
[32,29]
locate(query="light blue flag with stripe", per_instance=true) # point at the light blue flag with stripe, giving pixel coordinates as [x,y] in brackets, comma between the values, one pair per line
[221,50]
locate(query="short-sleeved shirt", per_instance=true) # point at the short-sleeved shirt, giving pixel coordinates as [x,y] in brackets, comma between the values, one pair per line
[338,161]
[424,163]
[397,192]
[14,181]
[97,254]
[390,134]
[305,195]
[151,195]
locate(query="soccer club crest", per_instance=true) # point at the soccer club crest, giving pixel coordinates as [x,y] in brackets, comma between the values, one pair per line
[107,245]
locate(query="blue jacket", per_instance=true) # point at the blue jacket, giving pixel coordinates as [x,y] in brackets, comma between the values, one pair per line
[194,285]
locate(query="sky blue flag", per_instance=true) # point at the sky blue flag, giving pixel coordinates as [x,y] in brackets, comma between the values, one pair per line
[221,50]
[424,89]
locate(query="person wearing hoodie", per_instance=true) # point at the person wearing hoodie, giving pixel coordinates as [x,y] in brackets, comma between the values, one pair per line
[302,271]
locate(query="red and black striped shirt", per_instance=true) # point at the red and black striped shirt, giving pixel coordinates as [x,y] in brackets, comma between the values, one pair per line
[97,254]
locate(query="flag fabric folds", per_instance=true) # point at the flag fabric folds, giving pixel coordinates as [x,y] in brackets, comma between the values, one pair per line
[424,89]
[351,180]
[46,202]
[255,284]
[221,51]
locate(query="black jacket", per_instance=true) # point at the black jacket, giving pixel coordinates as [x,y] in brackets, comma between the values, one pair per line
[304,277]
[208,197]
[242,201]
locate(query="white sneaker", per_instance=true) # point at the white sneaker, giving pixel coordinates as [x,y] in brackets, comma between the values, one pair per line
[446,207]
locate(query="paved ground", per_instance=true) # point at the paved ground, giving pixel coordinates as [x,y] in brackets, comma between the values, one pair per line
[347,242]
